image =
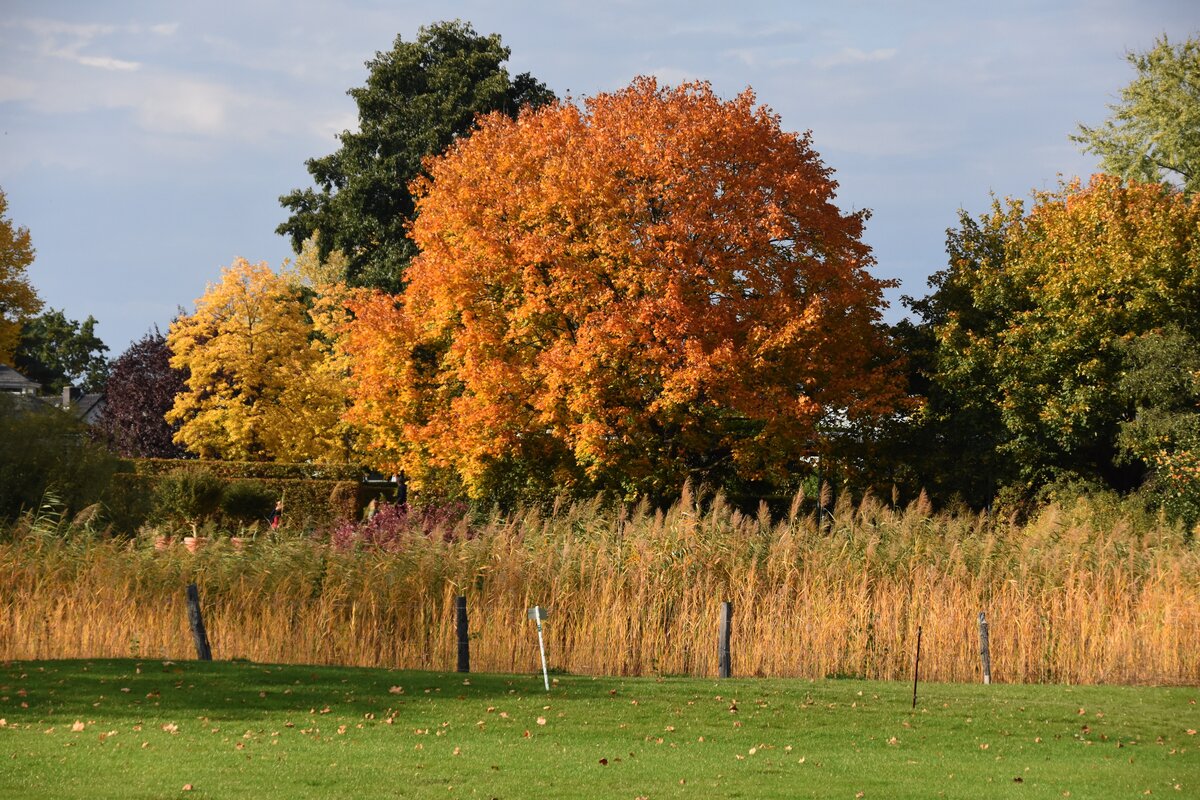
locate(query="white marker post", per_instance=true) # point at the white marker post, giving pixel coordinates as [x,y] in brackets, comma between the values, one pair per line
[537,614]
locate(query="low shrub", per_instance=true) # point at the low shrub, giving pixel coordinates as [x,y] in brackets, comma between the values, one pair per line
[191,495]
[247,502]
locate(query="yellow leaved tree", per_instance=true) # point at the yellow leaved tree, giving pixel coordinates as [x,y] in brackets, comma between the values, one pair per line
[262,382]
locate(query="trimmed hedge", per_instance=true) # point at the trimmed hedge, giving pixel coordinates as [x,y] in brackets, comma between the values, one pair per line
[246,470]
[312,494]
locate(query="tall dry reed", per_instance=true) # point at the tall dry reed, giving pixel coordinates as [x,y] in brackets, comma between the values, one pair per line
[1087,594]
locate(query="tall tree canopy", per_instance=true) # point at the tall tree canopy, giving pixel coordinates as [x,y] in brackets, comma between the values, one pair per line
[18,300]
[259,384]
[419,97]
[57,352]
[141,389]
[655,287]
[1153,134]
[1035,323]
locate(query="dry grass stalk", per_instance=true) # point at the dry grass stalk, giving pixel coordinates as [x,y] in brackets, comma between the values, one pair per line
[1078,595]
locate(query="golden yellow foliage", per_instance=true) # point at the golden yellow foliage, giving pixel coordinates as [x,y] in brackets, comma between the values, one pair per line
[261,382]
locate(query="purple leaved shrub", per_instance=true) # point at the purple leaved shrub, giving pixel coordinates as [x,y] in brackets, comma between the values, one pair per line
[395,524]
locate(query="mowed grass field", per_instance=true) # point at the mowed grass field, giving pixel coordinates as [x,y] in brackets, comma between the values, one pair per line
[154,729]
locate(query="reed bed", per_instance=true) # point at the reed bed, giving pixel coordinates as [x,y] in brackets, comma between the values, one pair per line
[1093,593]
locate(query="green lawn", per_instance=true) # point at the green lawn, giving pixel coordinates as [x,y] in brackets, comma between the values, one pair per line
[148,728]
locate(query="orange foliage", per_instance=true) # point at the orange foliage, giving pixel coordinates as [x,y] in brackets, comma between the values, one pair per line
[652,287]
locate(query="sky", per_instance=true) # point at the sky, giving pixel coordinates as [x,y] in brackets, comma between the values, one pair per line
[145,143]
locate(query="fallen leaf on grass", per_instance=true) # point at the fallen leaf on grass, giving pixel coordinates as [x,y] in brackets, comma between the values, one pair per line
[77,727]
[187,787]
[541,720]
[604,762]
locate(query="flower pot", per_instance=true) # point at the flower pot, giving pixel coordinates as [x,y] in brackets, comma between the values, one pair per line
[162,543]
[194,543]
[239,542]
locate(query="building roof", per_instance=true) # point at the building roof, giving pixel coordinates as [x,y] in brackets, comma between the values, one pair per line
[88,407]
[13,381]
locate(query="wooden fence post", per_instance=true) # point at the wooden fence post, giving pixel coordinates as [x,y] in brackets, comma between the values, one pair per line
[985,653]
[199,636]
[464,643]
[723,660]
[917,666]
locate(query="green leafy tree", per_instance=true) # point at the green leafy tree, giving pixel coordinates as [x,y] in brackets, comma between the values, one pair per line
[419,97]
[18,300]
[1153,134]
[1161,380]
[47,455]
[1031,325]
[57,352]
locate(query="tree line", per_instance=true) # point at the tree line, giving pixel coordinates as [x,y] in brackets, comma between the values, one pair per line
[507,295]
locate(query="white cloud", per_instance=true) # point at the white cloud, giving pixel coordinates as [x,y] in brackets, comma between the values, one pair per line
[66,41]
[852,55]
[106,62]
[52,27]
[14,88]
[168,105]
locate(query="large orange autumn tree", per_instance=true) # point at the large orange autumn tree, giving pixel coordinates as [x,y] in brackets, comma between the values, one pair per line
[653,287]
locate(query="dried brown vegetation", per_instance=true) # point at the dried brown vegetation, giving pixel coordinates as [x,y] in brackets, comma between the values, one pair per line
[1088,594]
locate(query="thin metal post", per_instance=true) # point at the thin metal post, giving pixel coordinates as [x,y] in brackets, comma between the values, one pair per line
[537,616]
